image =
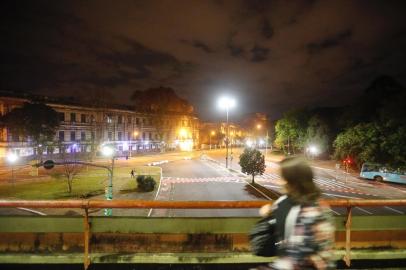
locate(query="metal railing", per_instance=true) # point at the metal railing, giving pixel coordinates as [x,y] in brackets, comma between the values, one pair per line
[97,204]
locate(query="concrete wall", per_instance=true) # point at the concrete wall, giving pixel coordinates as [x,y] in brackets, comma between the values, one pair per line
[60,239]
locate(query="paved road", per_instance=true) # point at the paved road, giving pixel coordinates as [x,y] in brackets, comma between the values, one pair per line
[335,184]
[187,177]
[203,180]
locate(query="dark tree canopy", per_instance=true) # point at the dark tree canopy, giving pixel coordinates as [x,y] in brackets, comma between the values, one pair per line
[372,129]
[369,105]
[160,99]
[376,126]
[35,120]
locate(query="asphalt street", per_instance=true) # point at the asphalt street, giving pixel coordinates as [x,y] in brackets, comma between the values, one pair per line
[203,180]
[202,176]
[334,184]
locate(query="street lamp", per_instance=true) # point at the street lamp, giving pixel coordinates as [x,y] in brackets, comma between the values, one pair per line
[227,103]
[212,133]
[108,151]
[12,158]
[259,126]
[134,135]
[313,150]
[182,133]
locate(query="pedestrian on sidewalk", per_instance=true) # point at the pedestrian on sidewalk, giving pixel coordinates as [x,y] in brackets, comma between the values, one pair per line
[303,226]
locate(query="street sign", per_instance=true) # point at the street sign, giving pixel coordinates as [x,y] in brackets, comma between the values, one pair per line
[49,164]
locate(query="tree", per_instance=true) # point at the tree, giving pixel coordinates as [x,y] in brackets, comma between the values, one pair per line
[317,133]
[252,162]
[36,121]
[70,169]
[362,143]
[100,99]
[369,105]
[377,129]
[291,131]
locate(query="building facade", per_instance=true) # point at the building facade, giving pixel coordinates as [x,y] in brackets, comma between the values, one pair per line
[213,135]
[84,129]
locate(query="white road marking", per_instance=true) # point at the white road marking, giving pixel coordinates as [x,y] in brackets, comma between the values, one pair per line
[335,212]
[278,187]
[157,192]
[342,196]
[394,210]
[363,210]
[32,211]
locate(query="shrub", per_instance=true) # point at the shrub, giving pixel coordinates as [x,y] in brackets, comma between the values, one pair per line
[146,183]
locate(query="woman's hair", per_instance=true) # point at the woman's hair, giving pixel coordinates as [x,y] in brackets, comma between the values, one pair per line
[299,177]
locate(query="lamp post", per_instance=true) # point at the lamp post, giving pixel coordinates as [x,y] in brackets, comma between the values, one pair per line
[108,151]
[266,144]
[135,134]
[12,158]
[259,126]
[313,150]
[227,103]
[212,133]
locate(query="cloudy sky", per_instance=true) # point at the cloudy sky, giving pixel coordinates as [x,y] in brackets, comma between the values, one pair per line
[271,55]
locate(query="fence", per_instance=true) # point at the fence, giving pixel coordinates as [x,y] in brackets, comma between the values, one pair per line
[220,239]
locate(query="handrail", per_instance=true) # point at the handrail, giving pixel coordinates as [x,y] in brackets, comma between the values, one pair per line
[88,204]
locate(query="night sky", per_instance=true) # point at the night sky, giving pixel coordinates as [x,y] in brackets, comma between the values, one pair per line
[271,55]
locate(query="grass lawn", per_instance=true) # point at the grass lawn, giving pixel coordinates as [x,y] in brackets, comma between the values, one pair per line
[89,182]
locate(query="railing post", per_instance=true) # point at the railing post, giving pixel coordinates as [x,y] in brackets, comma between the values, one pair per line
[347,256]
[86,258]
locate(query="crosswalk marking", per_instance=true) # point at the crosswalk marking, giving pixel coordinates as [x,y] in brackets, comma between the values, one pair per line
[202,180]
[323,183]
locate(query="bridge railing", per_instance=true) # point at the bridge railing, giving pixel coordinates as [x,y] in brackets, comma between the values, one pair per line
[369,226]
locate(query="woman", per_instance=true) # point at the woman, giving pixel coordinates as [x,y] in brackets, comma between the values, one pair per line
[303,224]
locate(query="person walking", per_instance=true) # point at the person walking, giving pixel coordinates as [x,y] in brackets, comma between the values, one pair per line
[132,173]
[303,224]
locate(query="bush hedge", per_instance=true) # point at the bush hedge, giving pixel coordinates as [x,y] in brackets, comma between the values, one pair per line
[146,183]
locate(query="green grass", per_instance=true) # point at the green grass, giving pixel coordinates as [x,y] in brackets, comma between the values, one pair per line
[89,182]
[55,188]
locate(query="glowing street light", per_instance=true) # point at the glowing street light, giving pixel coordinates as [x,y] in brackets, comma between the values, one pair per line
[227,103]
[259,126]
[108,151]
[183,133]
[12,158]
[313,150]
[134,136]
[212,133]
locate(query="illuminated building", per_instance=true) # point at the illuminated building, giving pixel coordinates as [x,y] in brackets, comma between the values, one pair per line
[84,128]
